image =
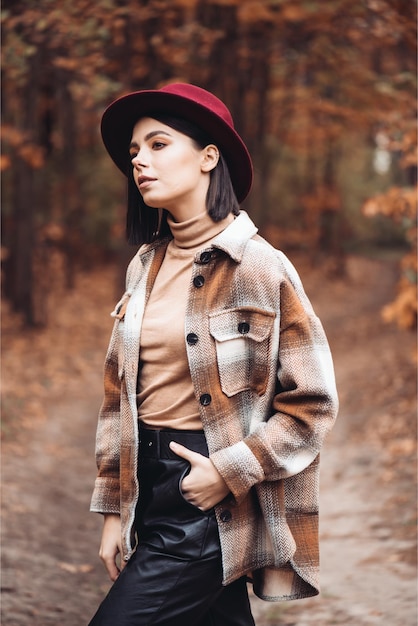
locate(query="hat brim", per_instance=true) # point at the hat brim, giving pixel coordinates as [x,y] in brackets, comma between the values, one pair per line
[120,117]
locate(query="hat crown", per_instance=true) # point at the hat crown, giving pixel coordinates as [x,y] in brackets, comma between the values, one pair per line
[202,98]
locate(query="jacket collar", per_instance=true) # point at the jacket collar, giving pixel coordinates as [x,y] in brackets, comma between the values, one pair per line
[235,237]
[149,247]
[232,240]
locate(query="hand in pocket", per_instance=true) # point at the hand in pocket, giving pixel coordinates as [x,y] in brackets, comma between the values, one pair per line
[203,486]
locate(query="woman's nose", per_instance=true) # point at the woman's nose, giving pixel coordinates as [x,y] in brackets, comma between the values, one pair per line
[138,161]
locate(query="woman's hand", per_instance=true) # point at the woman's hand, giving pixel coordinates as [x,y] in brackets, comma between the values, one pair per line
[111,546]
[203,486]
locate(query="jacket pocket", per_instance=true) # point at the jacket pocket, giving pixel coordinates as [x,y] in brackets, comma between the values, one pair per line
[242,337]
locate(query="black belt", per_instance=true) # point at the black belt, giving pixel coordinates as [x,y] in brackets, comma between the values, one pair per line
[154,444]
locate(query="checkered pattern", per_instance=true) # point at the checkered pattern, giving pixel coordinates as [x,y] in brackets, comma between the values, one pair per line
[263,377]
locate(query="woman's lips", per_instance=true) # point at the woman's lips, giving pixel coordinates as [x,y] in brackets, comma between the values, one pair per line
[144,181]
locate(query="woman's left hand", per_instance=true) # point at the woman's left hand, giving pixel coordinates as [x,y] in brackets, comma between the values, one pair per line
[203,486]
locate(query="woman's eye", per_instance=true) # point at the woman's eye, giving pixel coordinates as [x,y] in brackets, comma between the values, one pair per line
[156,145]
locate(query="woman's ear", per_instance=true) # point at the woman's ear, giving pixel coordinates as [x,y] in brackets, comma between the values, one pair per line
[210,158]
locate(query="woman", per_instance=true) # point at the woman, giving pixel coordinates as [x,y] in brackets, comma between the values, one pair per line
[219,385]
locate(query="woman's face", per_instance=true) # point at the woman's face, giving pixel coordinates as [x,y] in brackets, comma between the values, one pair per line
[169,170]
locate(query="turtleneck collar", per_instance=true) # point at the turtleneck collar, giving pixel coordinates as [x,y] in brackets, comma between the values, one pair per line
[197,231]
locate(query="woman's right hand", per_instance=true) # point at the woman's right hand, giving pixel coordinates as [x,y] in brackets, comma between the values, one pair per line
[111,545]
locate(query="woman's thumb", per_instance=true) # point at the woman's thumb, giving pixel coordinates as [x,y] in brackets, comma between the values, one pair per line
[180,450]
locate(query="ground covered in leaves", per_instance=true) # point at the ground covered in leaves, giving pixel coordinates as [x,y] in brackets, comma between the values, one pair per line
[51,391]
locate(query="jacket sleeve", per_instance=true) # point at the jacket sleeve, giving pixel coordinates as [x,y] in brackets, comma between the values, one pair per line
[304,405]
[106,494]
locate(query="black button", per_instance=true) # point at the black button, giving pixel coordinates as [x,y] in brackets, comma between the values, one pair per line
[198,281]
[226,515]
[192,339]
[205,257]
[205,399]
[243,328]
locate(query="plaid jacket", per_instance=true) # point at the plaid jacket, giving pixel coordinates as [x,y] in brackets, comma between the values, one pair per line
[263,378]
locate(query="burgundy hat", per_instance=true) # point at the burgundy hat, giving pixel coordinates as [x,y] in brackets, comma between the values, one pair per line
[191,103]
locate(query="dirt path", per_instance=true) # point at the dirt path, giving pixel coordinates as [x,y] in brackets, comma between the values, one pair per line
[51,573]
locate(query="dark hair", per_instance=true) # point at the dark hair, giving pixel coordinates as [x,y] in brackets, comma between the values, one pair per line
[145,224]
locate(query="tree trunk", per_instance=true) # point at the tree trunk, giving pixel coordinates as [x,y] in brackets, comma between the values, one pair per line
[20,286]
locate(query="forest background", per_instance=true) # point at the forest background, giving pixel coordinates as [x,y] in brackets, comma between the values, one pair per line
[324,94]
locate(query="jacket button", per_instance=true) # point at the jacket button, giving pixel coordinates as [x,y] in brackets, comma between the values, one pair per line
[205,399]
[198,281]
[192,339]
[226,515]
[243,328]
[205,257]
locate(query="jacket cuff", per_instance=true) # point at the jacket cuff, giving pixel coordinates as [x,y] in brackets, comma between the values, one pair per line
[105,498]
[239,468]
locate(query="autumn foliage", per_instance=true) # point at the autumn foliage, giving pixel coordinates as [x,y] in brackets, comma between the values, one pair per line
[315,87]
[400,205]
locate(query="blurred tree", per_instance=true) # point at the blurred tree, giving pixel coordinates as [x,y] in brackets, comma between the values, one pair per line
[302,78]
[400,205]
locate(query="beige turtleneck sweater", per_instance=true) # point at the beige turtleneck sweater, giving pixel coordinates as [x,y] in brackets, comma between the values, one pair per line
[165,396]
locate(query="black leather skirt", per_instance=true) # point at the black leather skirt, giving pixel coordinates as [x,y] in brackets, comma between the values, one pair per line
[174,578]
[165,521]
